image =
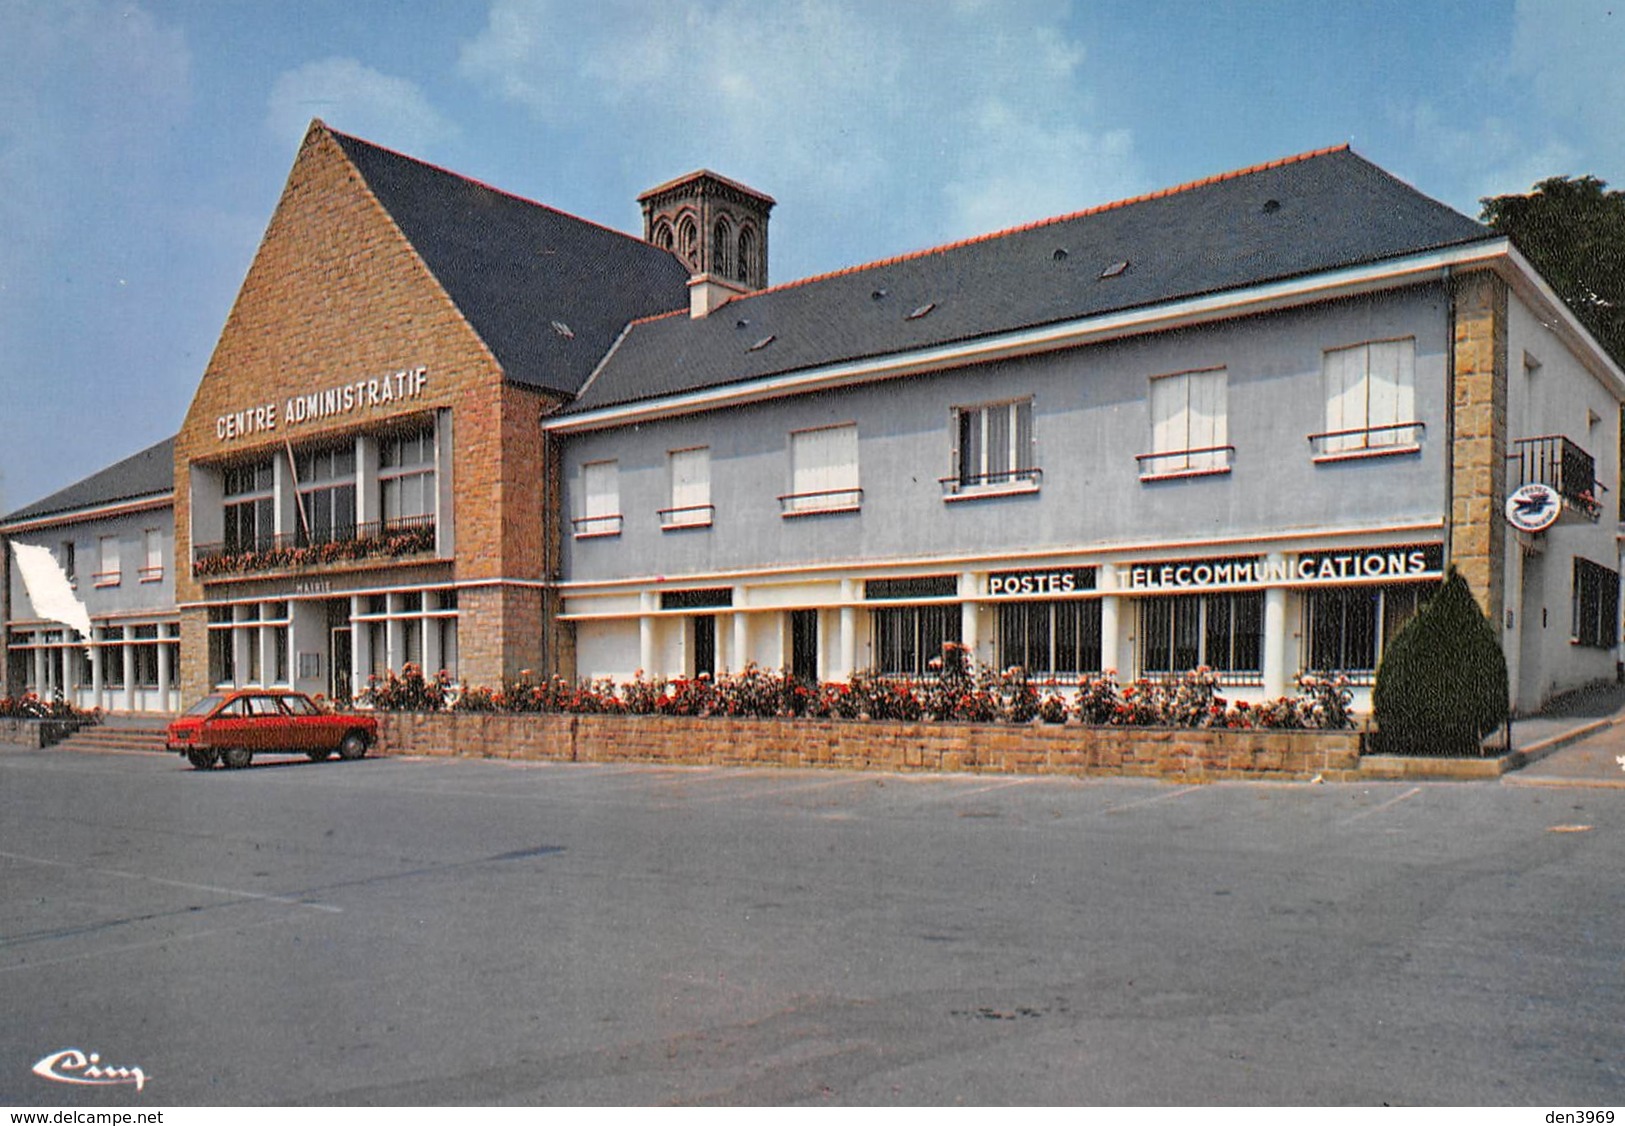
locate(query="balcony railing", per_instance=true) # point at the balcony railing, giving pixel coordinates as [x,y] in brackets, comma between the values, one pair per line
[1554,461]
[686,516]
[1395,438]
[820,501]
[1185,463]
[408,535]
[999,481]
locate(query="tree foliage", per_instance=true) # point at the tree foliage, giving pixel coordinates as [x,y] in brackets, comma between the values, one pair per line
[1442,683]
[1573,231]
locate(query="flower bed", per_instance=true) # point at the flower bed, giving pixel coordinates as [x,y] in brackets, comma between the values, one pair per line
[957,692]
[960,719]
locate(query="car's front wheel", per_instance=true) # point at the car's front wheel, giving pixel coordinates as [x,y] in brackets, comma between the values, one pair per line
[235,758]
[201,758]
[354,746]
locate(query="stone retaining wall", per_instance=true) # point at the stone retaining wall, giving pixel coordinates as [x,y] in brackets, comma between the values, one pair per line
[1203,755]
[37,733]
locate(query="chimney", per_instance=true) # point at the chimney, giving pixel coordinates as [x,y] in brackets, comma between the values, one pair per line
[717,228]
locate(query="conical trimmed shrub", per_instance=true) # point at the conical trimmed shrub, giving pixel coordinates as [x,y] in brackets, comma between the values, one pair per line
[1442,683]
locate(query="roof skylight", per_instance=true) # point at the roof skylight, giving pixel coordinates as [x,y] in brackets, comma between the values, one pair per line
[762,343]
[923,310]
[1116,269]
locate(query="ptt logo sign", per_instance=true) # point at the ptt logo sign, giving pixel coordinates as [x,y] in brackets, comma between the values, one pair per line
[1534,508]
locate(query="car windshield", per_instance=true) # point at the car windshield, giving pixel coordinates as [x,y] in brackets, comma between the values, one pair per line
[205,705]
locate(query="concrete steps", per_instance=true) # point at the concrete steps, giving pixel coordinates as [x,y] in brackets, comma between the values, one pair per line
[137,734]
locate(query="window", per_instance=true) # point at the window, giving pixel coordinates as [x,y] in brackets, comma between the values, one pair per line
[1050,638]
[994,449]
[722,249]
[108,572]
[1188,425]
[600,500]
[908,638]
[67,557]
[688,242]
[745,260]
[250,507]
[326,494]
[113,657]
[1596,605]
[823,471]
[1370,398]
[690,472]
[406,477]
[1347,629]
[1223,632]
[153,542]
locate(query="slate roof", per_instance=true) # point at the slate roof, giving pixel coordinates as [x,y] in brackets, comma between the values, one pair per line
[1303,215]
[152,471]
[518,269]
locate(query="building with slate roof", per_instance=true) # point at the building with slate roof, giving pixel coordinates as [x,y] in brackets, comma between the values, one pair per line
[1243,424]
[112,535]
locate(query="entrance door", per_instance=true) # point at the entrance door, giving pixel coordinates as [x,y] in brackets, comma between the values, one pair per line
[705,644]
[804,645]
[338,664]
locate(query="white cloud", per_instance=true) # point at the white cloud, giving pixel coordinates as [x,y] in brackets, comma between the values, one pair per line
[1569,52]
[977,114]
[357,99]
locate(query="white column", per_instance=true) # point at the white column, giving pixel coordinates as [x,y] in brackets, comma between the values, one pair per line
[165,673]
[97,678]
[40,686]
[367,499]
[128,652]
[646,634]
[969,590]
[1275,632]
[849,630]
[740,657]
[1111,628]
[360,646]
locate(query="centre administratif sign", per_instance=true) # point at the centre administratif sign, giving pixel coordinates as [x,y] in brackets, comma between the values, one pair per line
[1418,561]
[341,399]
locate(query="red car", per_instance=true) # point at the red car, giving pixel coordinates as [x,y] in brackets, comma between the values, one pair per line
[232,727]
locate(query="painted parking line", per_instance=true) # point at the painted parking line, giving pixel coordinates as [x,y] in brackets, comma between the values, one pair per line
[1379,808]
[1154,799]
[234,893]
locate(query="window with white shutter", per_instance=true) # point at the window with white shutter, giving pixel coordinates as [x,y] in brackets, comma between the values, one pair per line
[1188,425]
[600,500]
[1370,399]
[690,472]
[823,471]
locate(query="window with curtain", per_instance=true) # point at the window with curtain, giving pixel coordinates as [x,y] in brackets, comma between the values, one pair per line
[994,445]
[406,476]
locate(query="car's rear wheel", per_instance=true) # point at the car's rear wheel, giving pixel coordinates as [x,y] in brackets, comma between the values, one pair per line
[319,754]
[354,746]
[201,758]
[235,758]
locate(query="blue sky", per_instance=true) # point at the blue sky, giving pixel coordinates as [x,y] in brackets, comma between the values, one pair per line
[143,145]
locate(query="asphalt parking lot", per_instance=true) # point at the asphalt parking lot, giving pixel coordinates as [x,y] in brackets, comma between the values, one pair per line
[398,931]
